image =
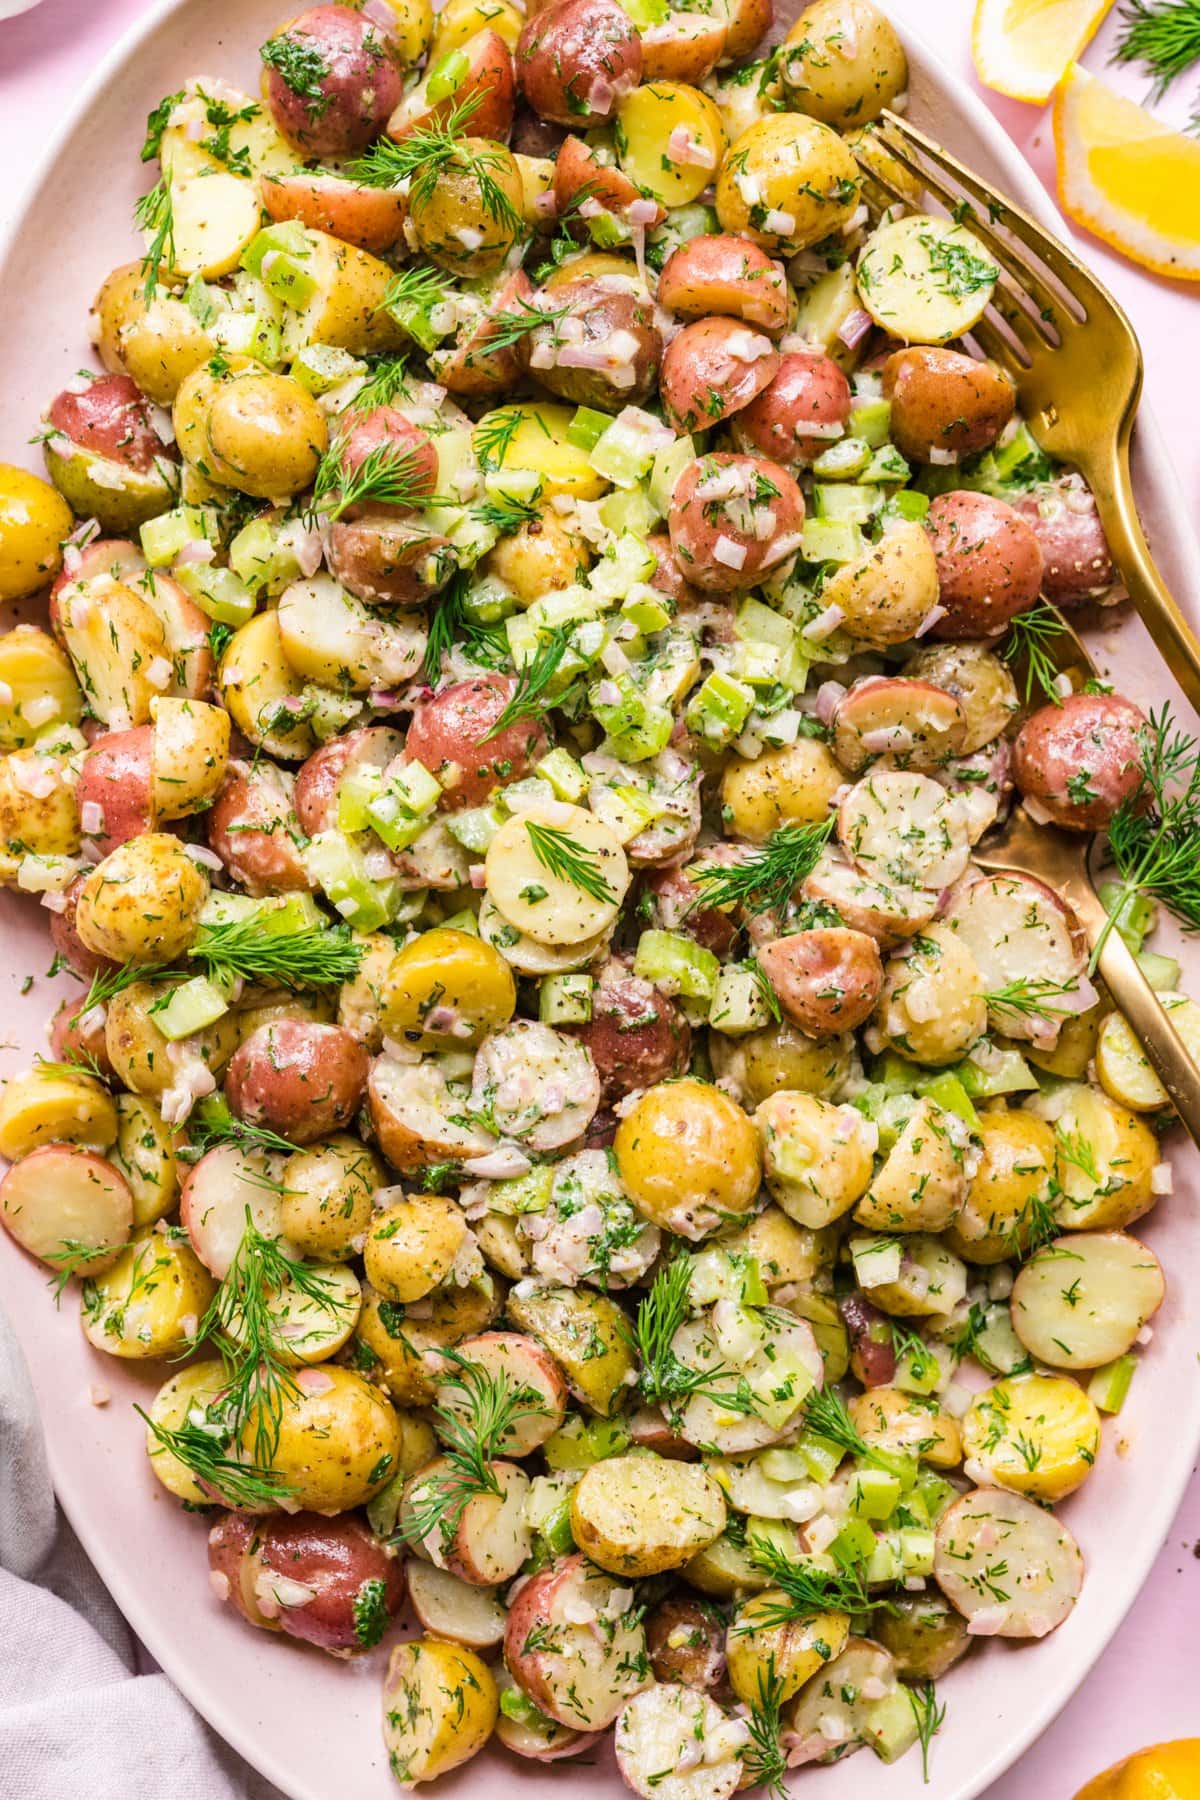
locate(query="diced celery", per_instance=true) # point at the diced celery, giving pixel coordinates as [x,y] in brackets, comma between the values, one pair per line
[263,554]
[887,465]
[1109,1387]
[1134,915]
[518,1707]
[763,623]
[947,1090]
[606,231]
[320,367]
[787,1467]
[895,1073]
[855,1542]
[383,1509]
[916,1551]
[918,1371]
[873,1494]
[565,999]
[996,1346]
[738,1004]
[674,668]
[416,318]
[1162,972]
[876,1259]
[164,537]
[627,811]
[587,427]
[488,601]
[843,460]
[338,867]
[629,509]
[568,606]
[498,484]
[189,1008]
[821,1457]
[288,248]
[627,561]
[722,1275]
[521,1194]
[463,921]
[647,608]
[636,728]
[579,1444]
[569,781]
[669,465]
[871,420]
[646,13]
[329,711]
[393,822]
[1021,448]
[719,708]
[891,1724]
[676,964]
[1010,1075]
[759,664]
[356,790]
[848,500]
[249,334]
[555,1531]
[831,540]
[522,796]
[447,75]
[218,592]
[624,450]
[474,827]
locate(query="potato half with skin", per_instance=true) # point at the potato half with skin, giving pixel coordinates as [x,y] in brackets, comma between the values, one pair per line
[787,182]
[659,1729]
[573,1673]
[794,785]
[1106,1162]
[142,903]
[945,401]
[924,1634]
[339,1440]
[194,1388]
[39,685]
[411,1247]
[62,1201]
[34,520]
[587,1334]
[641,1515]
[396,1343]
[887,596]
[1043,1565]
[149,1304]
[780,1056]
[932,1006]
[145,1155]
[1082,1300]
[446,990]
[327,1200]
[842,62]
[1036,1435]
[440,1704]
[903,1424]
[817,1158]
[796,1650]
[1010,1193]
[688,1156]
[923,1180]
[52,1105]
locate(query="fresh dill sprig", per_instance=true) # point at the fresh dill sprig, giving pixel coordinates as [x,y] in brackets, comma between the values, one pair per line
[390,474]
[1157,850]
[157,122]
[564,859]
[529,699]
[323,956]
[1075,1149]
[764,1758]
[422,154]
[825,1413]
[1032,1228]
[665,1380]
[212,1124]
[82,1063]
[494,435]
[1032,998]
[473,1429]
[419,289]
[1165,36]
[930,1718]
[506,513]
[808,1591]
[910,1344]
[386,381]
[106,984]
[69,1259]
[239,1319]
[302,67]
[450,625]
[1028,646]
[155,214]
[770,998]
[509,328]
[766,879]
[203,1449]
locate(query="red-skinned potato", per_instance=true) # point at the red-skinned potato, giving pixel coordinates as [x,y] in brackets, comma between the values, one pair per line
[614,360]
[65,937]
[714,519]
[77,1036]
[793,419]
[712,369]
[114,788]
[943,400]
[649,1429]
[1079,761]
[827,980]
[914,723]
[384,431]
[1078,565]
[685,47]
[523,1363]
[358,84]
[387,560]
[473,367]
[636,1036]
[299,1078]
[448,736]
[668,577]
[989,564]
[62,1194]
[577,168]
[674,900]
[488,75]
[576,58]
[372,218]
[686,1641]
[566,1667]
[117,557]
[489,1540]
[104,455]
[746,21]
[112,418]
[186,629]
[728,275]
[872,1346]
[252,827]
[373,746]
[324,1581]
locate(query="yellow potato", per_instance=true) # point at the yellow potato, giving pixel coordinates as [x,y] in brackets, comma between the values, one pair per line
[932,1281]
[338,1441]
[142,902]
[266,435]
[440,1704]
[55,1105]
[794,785]
[1121,1066]
[38,683]
[145,1155]
[460,20]
[1106,1162]
[197,122]
[308,1326]
[148,1305]
[783,1250]
[143,1059]
[780,1056]
[924,279]
[34,520]
[786,183]
[587,1334]
[392,1343]
[931,1007]
[158,342]
[842,62]
[193,1388]
[1008,1199]
[907,1425]
[822,310]
[118,647]
[412,26]
[817,1158]
[641,1515]
[539,558]
[922,1182]
[189,756]
[647,117]
[1036,1435]
[464,199]
[725,1572]
[793,1652]
[546,905]
[257,683]
[688,1157]
[446,990]
[346,309]
[538,443]
[327,1200]
[411,1247]
[216,216]
[885,597]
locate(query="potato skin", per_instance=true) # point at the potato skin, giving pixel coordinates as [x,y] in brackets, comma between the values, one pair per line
[34,521]
[337,1559]
[142,902]
[606,311]
[115,776]
[253,828]
[802,169]
[989,564]
[943,400]
[687,1154]
[1078,563]
[372,218]
[686,1642]
[575,58]
[923,1633]
[1082,759]
[725,275]
[449,737]
[807,389]
[711,370]
[298,1077]
[440,1705]
[110,418]
[639,1515]
[709,514]
[339,1440]
[636,1036]
[827,979]
[359,84]
[842,62]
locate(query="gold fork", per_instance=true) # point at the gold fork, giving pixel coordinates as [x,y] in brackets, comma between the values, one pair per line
[1062,859]
[1072,353]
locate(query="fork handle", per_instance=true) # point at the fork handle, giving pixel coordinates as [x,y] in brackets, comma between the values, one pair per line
[1151,1025]
[1111,483]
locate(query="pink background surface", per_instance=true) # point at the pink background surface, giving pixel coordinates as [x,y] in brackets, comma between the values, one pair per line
[1146,1685]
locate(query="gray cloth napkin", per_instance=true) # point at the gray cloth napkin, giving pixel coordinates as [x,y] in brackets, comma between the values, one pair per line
[82,1710]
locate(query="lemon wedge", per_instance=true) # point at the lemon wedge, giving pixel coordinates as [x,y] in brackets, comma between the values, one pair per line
[1128,177]
[1023,48]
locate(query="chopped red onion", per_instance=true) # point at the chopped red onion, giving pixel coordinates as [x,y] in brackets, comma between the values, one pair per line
[854,328]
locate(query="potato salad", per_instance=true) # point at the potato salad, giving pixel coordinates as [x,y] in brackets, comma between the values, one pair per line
[536,602]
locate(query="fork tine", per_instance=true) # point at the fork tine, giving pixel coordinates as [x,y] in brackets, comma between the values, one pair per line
[1067,270]
[1000,349]
[1045,302]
